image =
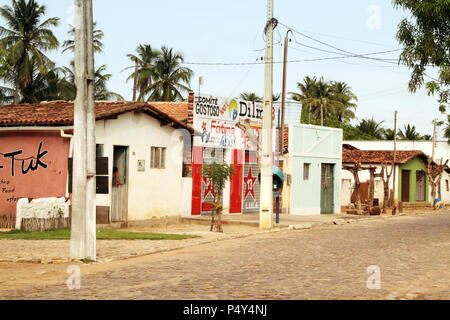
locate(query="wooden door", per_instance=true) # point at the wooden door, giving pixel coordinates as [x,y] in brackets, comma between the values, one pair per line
[327,189]
[119,194]
[420,186]
[405,185]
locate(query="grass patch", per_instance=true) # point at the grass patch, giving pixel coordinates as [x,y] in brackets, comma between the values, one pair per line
[64,234]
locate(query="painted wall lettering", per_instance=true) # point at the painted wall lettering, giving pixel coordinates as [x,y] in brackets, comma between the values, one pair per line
[28,164]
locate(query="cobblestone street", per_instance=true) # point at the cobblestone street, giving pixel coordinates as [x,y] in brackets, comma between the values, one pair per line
[327,262]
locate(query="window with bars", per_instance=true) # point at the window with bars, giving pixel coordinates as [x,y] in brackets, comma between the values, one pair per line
[158,158]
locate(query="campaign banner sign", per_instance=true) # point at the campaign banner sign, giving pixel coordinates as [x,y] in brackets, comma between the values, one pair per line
[216,119]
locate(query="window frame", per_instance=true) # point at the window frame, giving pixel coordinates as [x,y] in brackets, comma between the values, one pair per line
[158,157]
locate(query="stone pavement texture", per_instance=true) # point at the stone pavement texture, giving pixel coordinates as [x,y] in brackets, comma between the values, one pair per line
[48,250]
[328,262]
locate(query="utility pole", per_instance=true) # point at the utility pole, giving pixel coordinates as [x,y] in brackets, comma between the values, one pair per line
[434,138]
[200,83]
[283,92]
[266,204]
[394,182]
[321,114]
[135,80]
[83,233]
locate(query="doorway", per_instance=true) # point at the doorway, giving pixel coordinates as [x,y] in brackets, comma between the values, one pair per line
[421,182]
[327,189]
[405,185]
[119,195]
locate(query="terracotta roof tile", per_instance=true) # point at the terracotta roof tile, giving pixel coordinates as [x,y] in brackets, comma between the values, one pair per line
[379,156]
[60,113]
[177,110]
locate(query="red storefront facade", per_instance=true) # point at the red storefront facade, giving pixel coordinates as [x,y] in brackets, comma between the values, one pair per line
[218,139]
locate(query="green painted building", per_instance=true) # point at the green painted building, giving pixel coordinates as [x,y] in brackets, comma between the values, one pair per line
[413,183]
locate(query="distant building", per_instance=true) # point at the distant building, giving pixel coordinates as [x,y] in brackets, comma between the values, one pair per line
[313,170]
[412,184]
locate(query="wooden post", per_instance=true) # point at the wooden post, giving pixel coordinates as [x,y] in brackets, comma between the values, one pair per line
[371,188]
[394,182]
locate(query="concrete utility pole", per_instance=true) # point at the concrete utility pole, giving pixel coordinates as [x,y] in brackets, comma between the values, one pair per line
[266,205]
[283,93]
[135,80]
[434,139]
[394,182]
[83,235]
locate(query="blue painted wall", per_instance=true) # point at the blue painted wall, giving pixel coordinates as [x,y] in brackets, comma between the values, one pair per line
[316,146]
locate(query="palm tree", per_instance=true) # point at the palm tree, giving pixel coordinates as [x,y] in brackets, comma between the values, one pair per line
[170,79]
[323,104]
[250,96]
[389,134]
[372,128]
[343,93]
[47,87]
[307,91]
[98,36]
[27,39]
[101,79]
[447,129]
[143,67]
[409,133]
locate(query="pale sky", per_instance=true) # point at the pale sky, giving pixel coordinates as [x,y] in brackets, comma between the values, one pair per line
[232,32]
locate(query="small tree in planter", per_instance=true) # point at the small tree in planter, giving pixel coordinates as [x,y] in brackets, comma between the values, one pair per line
[218,174]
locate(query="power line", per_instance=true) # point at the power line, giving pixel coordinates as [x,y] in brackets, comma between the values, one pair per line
[290,61]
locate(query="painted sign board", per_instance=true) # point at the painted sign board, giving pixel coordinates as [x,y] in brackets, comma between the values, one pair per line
[216,119]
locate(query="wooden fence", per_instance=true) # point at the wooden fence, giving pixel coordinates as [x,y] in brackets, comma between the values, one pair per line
[36,224]
[7,221]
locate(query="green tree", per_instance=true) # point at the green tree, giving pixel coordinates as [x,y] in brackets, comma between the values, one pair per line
[372,128]
[6,94]
[69,45]
[409,133]
[307,90]
[27,38]
[250,96]
[145,60]
[447,129]
[4,64]
[342,92]
[47,87]
[101,88]
[319,98]
[170,79]
[389,134]
[425,36]
[218,174]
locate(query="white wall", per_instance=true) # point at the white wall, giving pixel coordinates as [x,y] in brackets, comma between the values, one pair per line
[348,184]
[442,149]
[186,197]
[45,208]
[153,193]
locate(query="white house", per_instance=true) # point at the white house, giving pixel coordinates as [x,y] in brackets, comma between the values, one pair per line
[144,143]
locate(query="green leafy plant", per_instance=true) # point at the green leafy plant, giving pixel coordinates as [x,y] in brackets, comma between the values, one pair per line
[218,174]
